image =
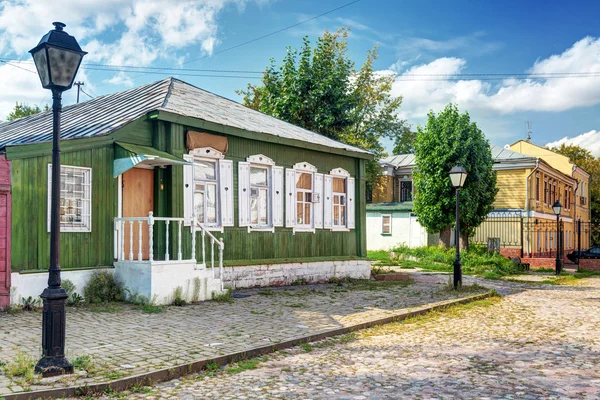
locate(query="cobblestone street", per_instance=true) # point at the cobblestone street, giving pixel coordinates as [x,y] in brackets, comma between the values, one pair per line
[538,342]
[120,340]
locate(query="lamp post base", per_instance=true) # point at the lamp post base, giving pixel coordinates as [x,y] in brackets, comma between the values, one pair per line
[53,361]
[457,274]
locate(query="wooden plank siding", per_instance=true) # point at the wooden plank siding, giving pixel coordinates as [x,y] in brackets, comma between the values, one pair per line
[243,245]
[30,244]
[511,186]
[30,238]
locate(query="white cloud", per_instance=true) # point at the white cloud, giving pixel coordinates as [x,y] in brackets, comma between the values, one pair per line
[508,96]
[24,87]
[133,31]
[589,140]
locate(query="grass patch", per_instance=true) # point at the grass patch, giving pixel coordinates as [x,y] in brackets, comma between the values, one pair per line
[374,285]
[378,255]
[307,347]
[113,375]
[266,292]
[297,305]
[245,365]
[150,308]
[476,260]
[225,297]
[20,369]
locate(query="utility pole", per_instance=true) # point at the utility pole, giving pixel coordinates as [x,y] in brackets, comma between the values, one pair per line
[79,85]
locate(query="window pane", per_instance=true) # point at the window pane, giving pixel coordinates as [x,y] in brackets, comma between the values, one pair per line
[258,176]
[300,214]
[304,181]
[307,214]
[199,207]
[343,215]
[308,197]
[75,201]
[211,204]
[204,170]
[254,210]
[263,207]
[299,196]
[336,199]
[339,185]
[336,212]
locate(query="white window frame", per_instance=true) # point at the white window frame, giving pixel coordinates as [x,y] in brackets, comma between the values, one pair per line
[343,174]
[263,162]
[305,168]
[87,181]
[383,224]
[208,154]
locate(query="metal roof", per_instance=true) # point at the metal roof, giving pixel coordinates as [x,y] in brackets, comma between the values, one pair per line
[105,114]
[395,206]
[499,154]
[400,160]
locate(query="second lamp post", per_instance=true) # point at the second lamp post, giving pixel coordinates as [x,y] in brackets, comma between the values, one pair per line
[458,175]
[557,207]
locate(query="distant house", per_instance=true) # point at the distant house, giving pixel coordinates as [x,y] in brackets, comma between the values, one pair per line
[522,223]
[166,182]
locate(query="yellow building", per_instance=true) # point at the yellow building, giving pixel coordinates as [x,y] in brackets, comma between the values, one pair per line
[530,180]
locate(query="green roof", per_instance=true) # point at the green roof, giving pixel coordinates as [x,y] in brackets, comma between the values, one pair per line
[404,206]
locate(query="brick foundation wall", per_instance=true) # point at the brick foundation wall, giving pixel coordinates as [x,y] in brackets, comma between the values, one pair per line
[510,252]
[586,264]
[545,262]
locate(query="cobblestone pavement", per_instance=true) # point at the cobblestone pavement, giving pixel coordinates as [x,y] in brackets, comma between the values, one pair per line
[127,341]
[538,342]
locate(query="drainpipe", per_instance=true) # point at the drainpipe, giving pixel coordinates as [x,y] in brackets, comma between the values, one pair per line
[537,166]
[575,210]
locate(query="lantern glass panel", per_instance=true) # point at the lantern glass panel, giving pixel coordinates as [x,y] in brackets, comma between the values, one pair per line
[63,66]
[41,64]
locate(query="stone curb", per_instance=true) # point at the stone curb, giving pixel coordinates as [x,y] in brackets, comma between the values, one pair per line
[153,377]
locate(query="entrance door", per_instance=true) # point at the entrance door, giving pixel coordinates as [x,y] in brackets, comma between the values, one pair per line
[138,201]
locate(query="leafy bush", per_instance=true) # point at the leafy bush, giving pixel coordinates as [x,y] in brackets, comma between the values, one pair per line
[68,286]
[74,298]
[30,303]
[225,297]
[476,260]
[103,287]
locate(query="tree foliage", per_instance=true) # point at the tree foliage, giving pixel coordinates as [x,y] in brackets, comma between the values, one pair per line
[447,139]
[404,143]
[23,110]
[583,158]
[319,88]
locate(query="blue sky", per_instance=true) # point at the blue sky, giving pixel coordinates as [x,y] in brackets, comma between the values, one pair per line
[417,37]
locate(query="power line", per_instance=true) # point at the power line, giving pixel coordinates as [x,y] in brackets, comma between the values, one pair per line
[274,33]
[16,66]
[84,92]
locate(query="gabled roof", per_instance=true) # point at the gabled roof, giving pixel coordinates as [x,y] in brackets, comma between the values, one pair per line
[499,154]
[105,114]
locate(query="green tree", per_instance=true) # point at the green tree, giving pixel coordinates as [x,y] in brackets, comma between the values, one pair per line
[23,110]
[404,143]
[447,139]
[583,158]
[321,90]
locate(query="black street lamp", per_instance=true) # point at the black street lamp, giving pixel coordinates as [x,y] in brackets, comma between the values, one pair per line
[57,58]
[458,175]
[557,207]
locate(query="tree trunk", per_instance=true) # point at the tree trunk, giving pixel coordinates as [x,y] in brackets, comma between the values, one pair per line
[464,240]
[445,237]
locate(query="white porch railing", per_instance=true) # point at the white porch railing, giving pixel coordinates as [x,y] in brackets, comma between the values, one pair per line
[148,223]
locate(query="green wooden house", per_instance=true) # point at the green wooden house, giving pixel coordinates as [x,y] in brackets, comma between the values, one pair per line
[168,185]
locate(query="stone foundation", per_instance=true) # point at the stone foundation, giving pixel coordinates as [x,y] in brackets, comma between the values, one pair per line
[284,274]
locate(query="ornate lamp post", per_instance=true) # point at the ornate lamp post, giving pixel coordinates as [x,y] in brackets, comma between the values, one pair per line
[557,207]
[57,58]
[458,175]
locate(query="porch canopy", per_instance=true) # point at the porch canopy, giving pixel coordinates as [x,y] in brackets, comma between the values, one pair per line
[128,156]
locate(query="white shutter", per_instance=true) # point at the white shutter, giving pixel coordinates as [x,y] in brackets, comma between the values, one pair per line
[327,202]
[351,206]
[226,189]
[318,207]
[188,190]
[244,193]
[277,195]
[290,197]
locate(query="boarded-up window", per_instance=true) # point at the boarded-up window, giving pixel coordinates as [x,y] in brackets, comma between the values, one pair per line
[386,224]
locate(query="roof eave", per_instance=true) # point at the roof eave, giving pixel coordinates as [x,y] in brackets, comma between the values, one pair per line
[194,122]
